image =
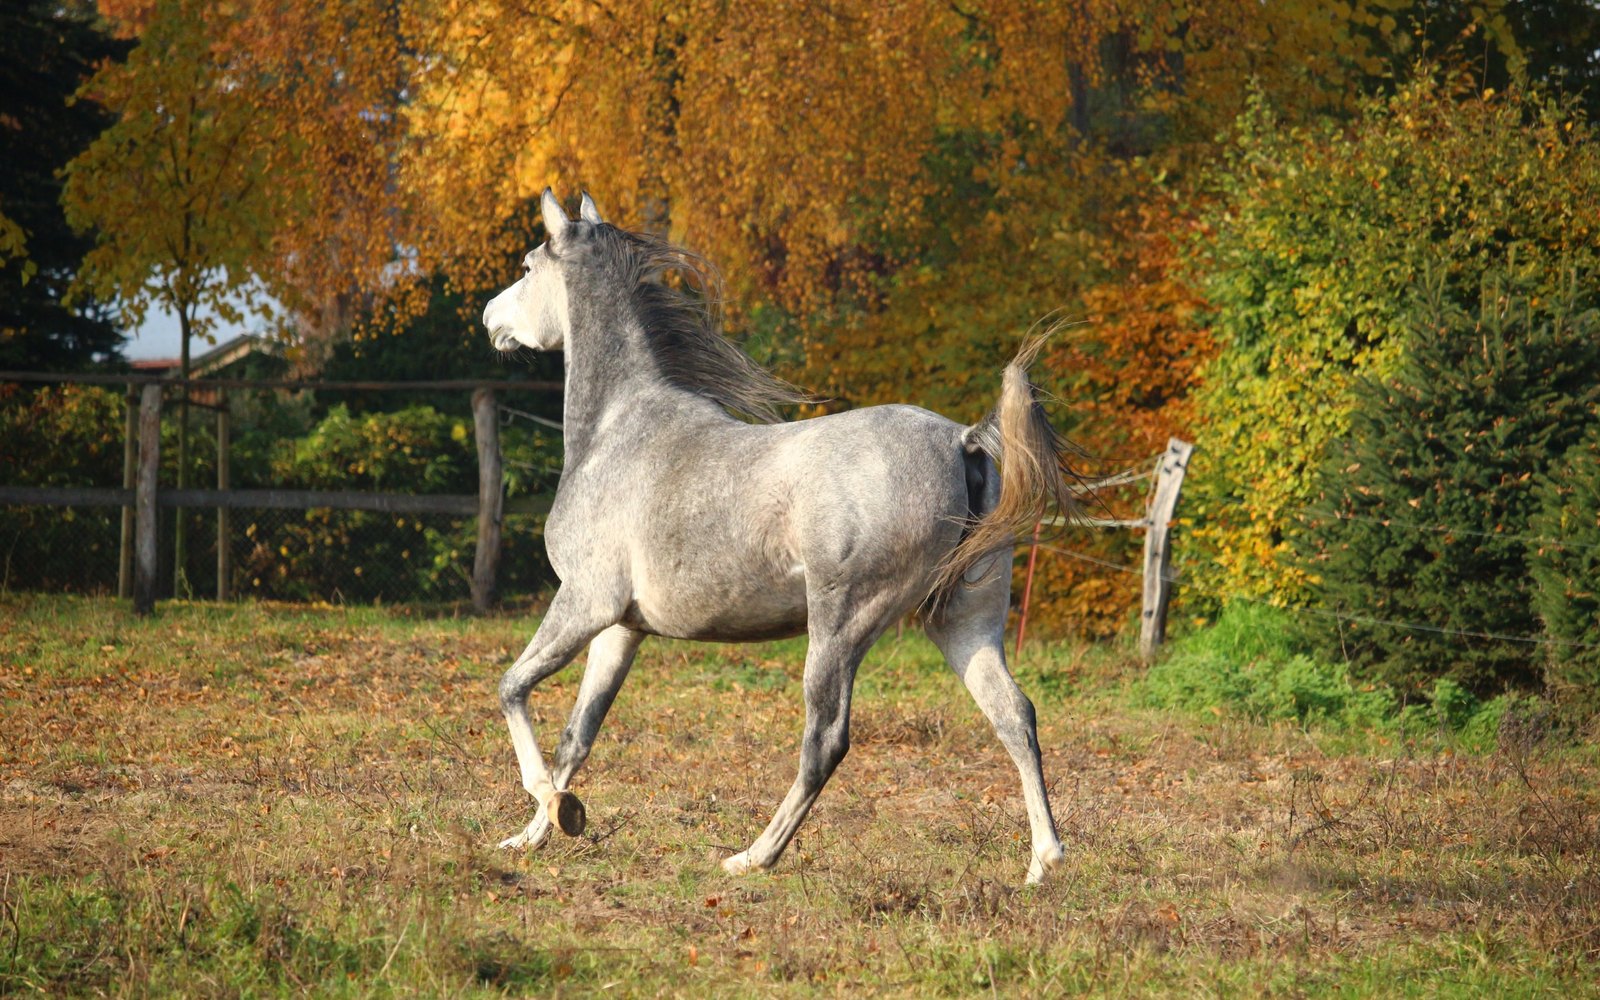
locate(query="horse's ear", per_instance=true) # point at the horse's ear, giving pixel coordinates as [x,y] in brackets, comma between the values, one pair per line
[588,212]
[555,218]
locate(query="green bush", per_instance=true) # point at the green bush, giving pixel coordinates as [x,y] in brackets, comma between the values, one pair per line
[363,555]
[69,435]
[1253,662]
[1425,506]
[418,450]
[1316,241]
[1451,709]
[1564,557]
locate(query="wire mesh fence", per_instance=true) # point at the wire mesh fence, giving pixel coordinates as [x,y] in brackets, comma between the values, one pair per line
[72,437]
[337,556]
[362,556]
[63,549]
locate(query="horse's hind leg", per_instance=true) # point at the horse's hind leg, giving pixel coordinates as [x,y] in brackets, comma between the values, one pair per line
[564,630]
[831,662]
[969,629]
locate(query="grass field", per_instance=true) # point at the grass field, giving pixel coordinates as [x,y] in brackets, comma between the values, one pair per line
[255,800]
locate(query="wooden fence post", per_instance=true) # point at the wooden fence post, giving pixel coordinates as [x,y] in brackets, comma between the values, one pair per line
[1157,552]
[144,573]
[130,469]
[486,427]
[224,514]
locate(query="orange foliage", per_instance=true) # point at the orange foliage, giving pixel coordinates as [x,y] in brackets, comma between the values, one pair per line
[1133,367]
[786,141]
[906,185]
[790,142]
[1142,345]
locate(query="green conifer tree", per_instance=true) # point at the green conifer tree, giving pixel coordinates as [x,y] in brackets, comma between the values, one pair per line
[1564,557]
[1424,509]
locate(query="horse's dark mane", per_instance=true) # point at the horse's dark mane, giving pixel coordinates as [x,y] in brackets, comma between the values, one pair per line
[683,330]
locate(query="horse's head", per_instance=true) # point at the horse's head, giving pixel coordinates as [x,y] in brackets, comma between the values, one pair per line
[533,311]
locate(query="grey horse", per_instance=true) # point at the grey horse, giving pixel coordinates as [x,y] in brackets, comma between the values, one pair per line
[674,517]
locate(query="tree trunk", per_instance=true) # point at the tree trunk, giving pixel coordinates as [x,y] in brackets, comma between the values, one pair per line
[180,534]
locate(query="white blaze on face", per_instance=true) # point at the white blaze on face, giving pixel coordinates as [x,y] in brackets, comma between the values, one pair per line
[532,312]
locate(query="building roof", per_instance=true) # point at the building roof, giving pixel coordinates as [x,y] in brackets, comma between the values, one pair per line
[221,356]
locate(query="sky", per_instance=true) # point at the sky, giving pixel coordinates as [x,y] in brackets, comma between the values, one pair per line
[159,337]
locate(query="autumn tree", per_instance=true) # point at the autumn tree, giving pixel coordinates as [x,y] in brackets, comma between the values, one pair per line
[251,148]
[175,190]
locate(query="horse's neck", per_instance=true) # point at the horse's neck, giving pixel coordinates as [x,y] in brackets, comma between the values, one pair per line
[612,381]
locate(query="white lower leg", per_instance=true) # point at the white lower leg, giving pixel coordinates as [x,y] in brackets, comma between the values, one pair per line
[768,848]
[535,776]
[560,635]
[1045,857]
[1003,703]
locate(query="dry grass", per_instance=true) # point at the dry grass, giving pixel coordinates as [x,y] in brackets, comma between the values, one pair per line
[268,800]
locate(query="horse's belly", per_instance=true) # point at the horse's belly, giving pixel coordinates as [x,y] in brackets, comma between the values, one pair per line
[709,609]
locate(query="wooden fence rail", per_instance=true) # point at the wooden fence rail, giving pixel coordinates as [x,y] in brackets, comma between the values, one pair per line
[1157,525]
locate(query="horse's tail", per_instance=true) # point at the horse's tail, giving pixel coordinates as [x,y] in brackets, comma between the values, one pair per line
[1034,476]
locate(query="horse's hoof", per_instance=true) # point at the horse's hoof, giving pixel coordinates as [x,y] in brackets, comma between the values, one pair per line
[569,813]
[1043,861]
[743,864]
[537,832]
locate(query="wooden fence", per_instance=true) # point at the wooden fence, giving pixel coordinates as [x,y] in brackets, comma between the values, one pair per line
[1156,523]
[141,494]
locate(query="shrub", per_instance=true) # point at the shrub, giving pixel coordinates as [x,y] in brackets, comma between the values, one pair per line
[1452,709]
[60,436]
[360,555]
[1564,558]
[1252,661]
[1317,242]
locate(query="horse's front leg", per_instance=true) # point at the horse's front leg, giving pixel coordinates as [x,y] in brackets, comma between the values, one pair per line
[610,657]
[566,627]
